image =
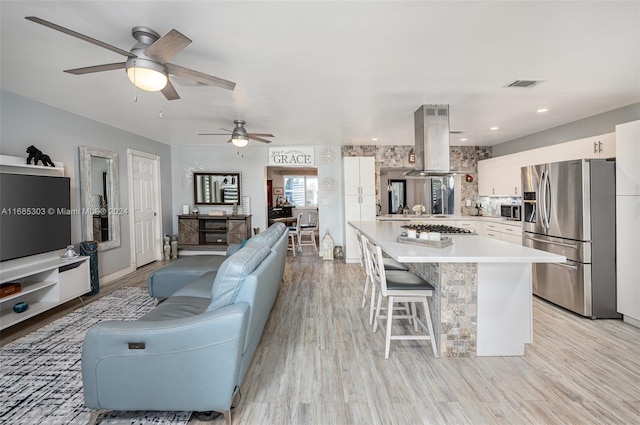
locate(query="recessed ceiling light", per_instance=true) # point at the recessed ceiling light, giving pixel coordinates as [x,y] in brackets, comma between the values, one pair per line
[493,128]
[463,140]
[374,139]
[541,110]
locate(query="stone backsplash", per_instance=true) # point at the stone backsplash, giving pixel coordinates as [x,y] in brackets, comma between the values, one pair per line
[461,157]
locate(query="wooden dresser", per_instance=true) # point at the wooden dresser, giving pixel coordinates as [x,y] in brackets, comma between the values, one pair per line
[196,231]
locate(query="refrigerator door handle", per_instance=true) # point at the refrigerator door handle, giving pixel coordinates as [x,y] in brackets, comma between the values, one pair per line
[542,187]
[547,201]
[566,245]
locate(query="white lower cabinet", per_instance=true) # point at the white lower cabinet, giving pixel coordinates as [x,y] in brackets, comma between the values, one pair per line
[468,225]
[511,233]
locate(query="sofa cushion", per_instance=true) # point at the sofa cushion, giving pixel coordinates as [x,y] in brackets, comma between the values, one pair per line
[199,287]
[176,308]
[165,281]
[233,272]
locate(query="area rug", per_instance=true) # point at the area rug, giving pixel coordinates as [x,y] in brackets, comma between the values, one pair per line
[40,375]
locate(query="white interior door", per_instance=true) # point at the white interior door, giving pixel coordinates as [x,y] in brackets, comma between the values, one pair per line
[144,189]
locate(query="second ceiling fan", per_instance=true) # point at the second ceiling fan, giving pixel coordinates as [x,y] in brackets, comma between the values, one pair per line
[239,136]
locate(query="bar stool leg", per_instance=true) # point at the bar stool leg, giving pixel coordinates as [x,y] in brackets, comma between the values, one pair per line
[427,313]
[364,292]
[387,345]
[373,304]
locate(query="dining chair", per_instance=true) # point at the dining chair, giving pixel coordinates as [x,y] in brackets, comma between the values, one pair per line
[399,286]
[389,264]
[294,236]
[307,232]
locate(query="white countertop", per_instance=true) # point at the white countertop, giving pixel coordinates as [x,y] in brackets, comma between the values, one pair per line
[465,249]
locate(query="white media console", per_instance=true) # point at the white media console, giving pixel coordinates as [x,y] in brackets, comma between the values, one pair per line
[46,281]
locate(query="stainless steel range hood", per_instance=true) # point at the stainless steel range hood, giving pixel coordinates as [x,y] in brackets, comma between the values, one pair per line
[432,142]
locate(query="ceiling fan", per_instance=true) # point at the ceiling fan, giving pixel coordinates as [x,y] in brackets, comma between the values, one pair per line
[146,64]
[239,135]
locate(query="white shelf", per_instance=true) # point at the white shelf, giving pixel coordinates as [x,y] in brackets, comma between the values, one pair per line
[18,165]
[10,318]
[43,285]
[27,288]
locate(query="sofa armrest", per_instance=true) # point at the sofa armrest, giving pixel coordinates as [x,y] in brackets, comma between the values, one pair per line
[180,364]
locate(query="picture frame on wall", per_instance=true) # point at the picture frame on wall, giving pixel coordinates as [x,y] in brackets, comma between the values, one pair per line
[278,191]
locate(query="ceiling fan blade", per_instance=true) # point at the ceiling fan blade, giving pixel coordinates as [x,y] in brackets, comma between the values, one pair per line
[202,78]
[170,92]
[260,134]
[258,139]
[167,46]
[224,129]
[213,134]
[80,36]
[95,68]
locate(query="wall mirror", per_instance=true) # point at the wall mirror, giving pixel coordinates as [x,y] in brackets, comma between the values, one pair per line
[216,188]
[100,197]
[397,195]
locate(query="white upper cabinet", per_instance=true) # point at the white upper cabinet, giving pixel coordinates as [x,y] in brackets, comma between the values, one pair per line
[501,176]
[628,160]
[603,146]
[359,175]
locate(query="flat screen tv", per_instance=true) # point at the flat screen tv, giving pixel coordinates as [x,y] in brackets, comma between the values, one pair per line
[35,215]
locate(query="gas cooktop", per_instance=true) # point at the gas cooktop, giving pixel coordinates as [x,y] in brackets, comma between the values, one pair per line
[439,228]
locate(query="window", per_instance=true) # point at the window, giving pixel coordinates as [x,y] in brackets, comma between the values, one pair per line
[301,191]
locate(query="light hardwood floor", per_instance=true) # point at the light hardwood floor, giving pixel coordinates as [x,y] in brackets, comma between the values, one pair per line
[319,363]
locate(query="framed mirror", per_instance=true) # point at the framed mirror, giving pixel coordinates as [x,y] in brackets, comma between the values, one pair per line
[100,197]
[397,195]
[216,188]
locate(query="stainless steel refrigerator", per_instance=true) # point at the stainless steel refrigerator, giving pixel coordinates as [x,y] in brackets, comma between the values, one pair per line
[569,209]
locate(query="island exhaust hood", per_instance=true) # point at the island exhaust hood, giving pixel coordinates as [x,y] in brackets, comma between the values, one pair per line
[432,142]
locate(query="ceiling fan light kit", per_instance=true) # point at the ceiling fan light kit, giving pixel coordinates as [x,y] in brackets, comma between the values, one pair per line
[146,75]
[240,140]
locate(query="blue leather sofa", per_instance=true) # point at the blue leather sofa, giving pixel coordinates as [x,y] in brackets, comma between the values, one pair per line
[192,351]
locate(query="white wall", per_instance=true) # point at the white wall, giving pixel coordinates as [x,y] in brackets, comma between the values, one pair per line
[58,133]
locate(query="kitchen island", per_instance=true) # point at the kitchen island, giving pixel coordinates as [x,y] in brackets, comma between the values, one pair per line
[483,301]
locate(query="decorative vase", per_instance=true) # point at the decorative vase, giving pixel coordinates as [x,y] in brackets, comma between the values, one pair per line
[166,248]
[174,246]
[327,247]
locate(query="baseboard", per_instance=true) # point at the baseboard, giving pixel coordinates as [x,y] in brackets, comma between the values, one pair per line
[104,280]
[187,253]
[632,321]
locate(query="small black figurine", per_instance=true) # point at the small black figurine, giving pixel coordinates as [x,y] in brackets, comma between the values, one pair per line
[37,155]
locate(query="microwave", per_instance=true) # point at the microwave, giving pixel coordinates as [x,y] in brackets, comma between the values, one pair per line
[512,212]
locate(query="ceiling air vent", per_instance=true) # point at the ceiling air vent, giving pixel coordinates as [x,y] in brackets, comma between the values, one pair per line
[524,83]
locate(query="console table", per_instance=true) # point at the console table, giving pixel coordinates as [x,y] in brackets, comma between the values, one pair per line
[196,231]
